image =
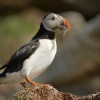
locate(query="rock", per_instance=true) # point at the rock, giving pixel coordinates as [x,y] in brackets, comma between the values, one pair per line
[45,92]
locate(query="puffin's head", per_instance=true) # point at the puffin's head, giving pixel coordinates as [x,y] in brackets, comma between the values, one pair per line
[55,23]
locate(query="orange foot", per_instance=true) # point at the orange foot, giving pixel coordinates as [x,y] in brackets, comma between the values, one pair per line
[30,81]
[24,85]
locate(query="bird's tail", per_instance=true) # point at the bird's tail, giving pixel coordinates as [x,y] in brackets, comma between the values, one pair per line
[1,75]
[4,66]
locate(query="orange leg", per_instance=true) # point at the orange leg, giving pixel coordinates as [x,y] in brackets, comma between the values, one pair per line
[24,84]
[30,81]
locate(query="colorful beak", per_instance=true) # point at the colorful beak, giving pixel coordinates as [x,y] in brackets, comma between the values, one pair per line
[65,23]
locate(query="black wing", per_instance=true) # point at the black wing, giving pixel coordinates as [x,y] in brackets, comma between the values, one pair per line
[23,53]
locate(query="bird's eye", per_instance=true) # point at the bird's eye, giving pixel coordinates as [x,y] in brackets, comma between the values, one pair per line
[53,18]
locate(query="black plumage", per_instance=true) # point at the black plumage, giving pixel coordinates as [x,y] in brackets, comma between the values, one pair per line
[16,61]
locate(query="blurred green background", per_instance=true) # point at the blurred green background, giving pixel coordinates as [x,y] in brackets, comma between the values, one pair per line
[76,68]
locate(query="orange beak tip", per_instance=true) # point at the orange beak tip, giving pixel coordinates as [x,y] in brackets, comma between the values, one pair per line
[66,23]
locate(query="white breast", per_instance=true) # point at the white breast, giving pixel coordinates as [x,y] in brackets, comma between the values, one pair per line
[41,58]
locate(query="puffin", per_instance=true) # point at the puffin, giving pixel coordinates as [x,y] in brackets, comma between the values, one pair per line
[35,57]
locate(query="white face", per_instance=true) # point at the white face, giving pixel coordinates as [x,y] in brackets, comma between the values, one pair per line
[51,21]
